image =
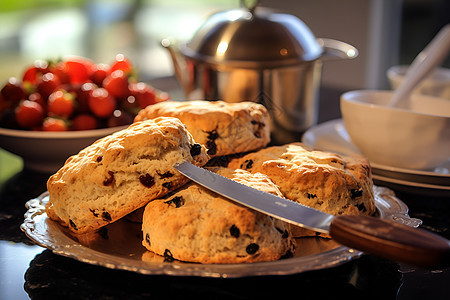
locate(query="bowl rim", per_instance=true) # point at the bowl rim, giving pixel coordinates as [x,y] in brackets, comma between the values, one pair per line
[345,98]
[399,71]
[60,134]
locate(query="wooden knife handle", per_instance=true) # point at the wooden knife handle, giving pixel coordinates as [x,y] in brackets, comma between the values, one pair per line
[391,240]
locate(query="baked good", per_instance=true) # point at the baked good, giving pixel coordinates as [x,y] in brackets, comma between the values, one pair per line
[120,173]
[195,224]
[224,128]
[322,180]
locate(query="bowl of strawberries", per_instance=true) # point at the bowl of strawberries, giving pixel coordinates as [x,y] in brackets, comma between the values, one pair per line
[59,107]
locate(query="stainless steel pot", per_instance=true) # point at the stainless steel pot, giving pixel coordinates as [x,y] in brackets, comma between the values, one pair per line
[262,56]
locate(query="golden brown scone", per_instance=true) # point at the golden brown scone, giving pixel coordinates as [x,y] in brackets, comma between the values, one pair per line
[322,180]
[224,128]
[197,225]
[120,173]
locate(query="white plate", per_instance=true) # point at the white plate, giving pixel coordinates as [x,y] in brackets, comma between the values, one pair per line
[118,246]
[332,136]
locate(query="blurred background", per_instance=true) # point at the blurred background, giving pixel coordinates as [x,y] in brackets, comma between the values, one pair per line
[386,32]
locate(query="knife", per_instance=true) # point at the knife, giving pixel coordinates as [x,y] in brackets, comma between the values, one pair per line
[373,235]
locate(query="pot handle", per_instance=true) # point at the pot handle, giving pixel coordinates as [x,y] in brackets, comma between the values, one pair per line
[336,50]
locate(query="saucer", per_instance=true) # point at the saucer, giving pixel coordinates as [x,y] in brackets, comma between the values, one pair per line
[332,136]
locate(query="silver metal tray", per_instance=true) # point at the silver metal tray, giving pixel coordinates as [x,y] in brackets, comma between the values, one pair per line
[118,245]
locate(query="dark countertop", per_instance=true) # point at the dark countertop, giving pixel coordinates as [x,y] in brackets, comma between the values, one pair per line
[30,271]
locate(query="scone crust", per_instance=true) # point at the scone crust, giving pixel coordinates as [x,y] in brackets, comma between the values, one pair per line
[322,180]
[120,173]
[197,225]
[224,128]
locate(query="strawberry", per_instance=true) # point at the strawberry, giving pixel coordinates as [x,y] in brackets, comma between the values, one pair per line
[60,103]
[101,103]
[29,114]
[117,84]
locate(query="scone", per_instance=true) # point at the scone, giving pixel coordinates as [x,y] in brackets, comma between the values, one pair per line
[224,128]
[195,224]
[322,180]
[120,173]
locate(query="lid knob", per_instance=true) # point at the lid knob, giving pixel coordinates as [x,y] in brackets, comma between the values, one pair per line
[250,5]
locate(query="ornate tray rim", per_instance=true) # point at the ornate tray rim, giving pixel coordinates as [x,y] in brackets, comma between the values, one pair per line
[49,234]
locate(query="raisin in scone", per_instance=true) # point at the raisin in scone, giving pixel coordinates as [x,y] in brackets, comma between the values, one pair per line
[224,128]
[195,224]
[120,173]
[322,180]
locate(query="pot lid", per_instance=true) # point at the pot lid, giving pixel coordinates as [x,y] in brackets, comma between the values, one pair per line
[253,37]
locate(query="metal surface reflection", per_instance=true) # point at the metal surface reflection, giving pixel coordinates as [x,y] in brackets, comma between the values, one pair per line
[262,56]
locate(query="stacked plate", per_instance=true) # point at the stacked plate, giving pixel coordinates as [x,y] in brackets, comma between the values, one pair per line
[332,136]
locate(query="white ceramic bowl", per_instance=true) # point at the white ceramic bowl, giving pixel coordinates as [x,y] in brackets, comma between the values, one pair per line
[47,151]
[415,138]
[437,84]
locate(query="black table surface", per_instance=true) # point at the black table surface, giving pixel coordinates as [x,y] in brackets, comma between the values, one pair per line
[30,271]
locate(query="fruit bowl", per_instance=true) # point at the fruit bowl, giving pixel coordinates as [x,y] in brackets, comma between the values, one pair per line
[59,107]
[45,151]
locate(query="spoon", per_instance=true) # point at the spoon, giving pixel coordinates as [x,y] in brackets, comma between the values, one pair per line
[425,62]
